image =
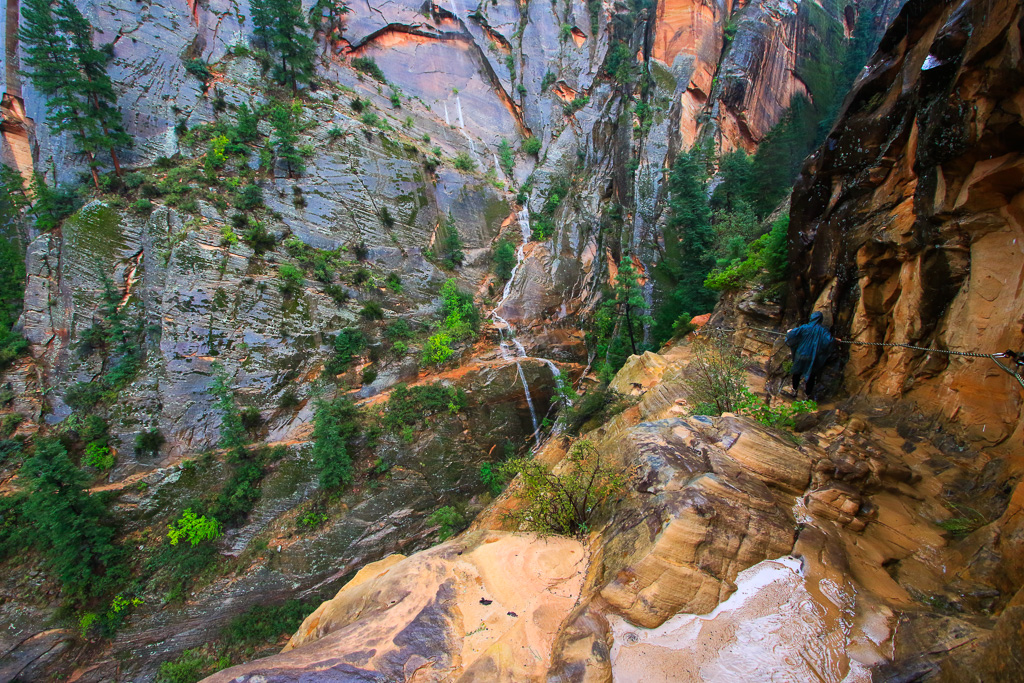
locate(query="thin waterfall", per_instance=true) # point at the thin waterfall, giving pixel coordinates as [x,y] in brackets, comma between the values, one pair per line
[505,327]
[458,108]
[446,121]
[529,401]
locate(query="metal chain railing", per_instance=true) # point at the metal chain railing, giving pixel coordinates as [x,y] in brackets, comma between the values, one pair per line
[994,357]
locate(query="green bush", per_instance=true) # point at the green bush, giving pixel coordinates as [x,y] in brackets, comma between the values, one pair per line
[576,104]
[507,159]
[142,205]
[149,442]
[249,197]
[411,406]
[438,349]
[99,456]
[257,237]
[193,528]
[191,666]
[715,376]
[568,502]
[371,119]
[368,65]
[398,329]
[290,280]
[464,162]
[490,477]
[450,519]
[199,69]
[531,146]
[779,417]
[460,316]
[372,310]
[266,624]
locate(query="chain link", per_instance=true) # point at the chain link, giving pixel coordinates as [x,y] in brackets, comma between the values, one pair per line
[994,357]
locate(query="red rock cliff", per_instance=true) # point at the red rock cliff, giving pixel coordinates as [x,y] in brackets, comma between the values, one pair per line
[908,224]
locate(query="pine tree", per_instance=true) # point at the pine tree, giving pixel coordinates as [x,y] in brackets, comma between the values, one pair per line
[284,119]
[291,42]
[72,528]
[280,26]
[449,245]
[262,22]
[325,16]
[71,74]
[688,255]
[629,300]
[96,85]
[13,185]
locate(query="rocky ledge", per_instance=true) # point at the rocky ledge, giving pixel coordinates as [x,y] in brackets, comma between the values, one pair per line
[828,545]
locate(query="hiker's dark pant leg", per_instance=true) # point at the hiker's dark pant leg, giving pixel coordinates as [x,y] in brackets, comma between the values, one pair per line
[810,383]
[796,381]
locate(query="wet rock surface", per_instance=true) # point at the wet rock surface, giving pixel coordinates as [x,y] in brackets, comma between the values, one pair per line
[915,193]
[829,549]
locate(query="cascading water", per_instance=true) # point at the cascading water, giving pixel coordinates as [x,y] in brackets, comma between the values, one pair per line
[462,124]
[505,327]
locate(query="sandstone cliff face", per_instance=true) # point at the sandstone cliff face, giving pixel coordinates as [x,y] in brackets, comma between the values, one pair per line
[907,223]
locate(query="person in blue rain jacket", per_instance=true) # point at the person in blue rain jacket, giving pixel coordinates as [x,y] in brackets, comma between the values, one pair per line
[811,345]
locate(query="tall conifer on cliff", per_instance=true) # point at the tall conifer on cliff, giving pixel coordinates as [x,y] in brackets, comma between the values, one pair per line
[281,27]
[96,86]
[71,74]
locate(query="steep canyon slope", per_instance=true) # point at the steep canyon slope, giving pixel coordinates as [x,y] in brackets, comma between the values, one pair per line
[710,73]
[735,554]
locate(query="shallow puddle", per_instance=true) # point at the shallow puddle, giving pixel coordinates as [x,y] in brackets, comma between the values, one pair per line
[773,628]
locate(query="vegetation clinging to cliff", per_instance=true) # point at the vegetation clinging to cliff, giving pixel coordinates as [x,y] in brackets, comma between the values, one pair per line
[12,289]
[687,257]
[566,502]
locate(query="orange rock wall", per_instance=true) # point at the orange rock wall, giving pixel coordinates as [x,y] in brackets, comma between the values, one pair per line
[909,222]
[692,28]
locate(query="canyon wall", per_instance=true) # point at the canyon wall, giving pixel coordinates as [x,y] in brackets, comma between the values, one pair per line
[907,223]
[466,78]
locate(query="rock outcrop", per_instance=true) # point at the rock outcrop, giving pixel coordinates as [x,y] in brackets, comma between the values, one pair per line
[907,223]
[825,548]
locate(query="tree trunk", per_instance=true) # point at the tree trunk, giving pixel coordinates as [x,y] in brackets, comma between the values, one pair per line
[113,153]
[629,326]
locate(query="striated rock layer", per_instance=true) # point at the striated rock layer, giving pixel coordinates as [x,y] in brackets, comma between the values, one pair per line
[734,551]
[908,224]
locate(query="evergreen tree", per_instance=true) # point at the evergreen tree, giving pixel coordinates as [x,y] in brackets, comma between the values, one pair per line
[629,300]
[71,74]
[262,12]
[13,185]
[72,527]
[335,425]
[619,321]
[448,247]
[246,129]
[97,88]
[280,26]
[688,255]
[284,119]
[12,291]
[232,431]
[326,16]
